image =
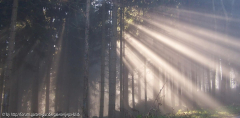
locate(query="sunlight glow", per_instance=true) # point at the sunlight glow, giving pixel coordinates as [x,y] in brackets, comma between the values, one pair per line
[160,62]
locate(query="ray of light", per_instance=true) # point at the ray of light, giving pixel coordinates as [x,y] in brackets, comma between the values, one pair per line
[196,41]
[177,46]
[168,101]
[189,52]
[158,61]
[208,15]
[204,19]
[54,70]
[132,61]
[212,35]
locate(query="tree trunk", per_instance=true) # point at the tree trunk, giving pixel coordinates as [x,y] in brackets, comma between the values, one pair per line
[2,57]
[225,62]
[34,102]
[155,81]
[193,76]
[157,84]
[180,86]
[1,87]
[185,86]
[112,63]
[10,90]
[164,83]
[133,99]
[121,58]
[172,85]
[223,89]
[86,65]
[125,89]
[214,57]
[103,64]
[139,87]
[209,79]
[124,69]
[145,84]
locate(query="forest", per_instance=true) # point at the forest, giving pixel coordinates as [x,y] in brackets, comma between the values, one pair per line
[120,58]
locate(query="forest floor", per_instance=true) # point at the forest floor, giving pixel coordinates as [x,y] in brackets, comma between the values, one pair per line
[222,112]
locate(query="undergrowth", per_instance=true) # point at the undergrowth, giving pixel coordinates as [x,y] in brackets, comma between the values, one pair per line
[222,112]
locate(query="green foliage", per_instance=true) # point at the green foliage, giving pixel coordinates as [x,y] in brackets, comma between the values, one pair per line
[139,116]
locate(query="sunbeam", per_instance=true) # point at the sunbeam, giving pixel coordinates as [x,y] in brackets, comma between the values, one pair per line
[206,99]
[120,58]
[195,41]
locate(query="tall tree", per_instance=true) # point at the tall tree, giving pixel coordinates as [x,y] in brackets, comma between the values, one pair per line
[10,90]
[156,81]
[86,64]
[163,73]
[112,63]
[180,86]
[145,84]
[34,102]
[225,62]
[139,87]
[2,57]
[133,99]
[214,56]
[1,86]
[125,89]
[102,62]
[193,76]
[172,85]
[121,59]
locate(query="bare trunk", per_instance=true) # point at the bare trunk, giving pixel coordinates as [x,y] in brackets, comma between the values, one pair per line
[225,62]
[121,58]
[102,63]
[173,90]
[214,57]
[10,90]
[209,79]
[122,114]
[139,87]
[180,86]
[125,89]
[145,85]
[34,104]
[193,76]
[156,84]
[164,83]
[133,99]
[112,63]
[1,87]
[86,65]
[2,58]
